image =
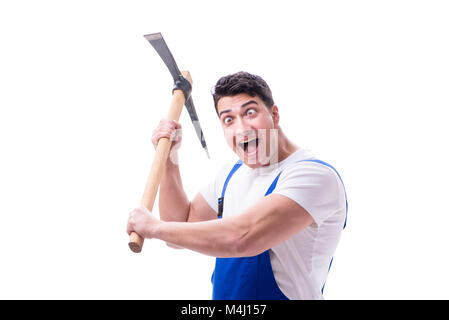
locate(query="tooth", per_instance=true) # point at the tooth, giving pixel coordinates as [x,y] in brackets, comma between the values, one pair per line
[249,140]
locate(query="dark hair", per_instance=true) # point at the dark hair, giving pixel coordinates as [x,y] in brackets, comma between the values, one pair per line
[242,82]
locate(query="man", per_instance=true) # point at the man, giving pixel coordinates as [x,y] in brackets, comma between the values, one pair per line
[280,211]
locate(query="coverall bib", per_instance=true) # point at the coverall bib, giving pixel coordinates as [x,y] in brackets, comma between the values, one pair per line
[249,278]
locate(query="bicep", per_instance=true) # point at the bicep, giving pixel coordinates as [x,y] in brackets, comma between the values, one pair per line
[273,219]
[200,210]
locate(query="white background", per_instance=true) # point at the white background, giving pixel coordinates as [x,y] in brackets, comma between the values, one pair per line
[363,84]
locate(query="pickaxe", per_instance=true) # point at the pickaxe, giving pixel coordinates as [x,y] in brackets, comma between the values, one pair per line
[181,96]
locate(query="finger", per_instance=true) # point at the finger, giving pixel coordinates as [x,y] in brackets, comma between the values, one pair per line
[174,135]
[129,227]
[177,137]
[131,222]
[168,123]
[169,129]
[160,134]
[176,124]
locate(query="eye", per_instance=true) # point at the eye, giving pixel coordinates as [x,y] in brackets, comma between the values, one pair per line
[227,120]
[250,112]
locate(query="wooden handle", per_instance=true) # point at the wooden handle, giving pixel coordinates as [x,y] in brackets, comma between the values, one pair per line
[157,168]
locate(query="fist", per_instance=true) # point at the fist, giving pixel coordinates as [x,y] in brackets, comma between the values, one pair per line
[142,222]
[169,129]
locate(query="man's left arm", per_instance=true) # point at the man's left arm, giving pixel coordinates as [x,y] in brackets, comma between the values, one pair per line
[271,220]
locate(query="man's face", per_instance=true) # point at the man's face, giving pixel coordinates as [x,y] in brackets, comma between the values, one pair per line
[250,128]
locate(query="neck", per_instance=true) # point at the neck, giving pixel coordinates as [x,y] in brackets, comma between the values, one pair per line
[285,146]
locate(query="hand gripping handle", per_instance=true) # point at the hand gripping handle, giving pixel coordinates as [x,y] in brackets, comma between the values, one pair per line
[160,158]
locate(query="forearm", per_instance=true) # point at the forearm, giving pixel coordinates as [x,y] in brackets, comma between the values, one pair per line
[173,202]
[273,219]
[218,238]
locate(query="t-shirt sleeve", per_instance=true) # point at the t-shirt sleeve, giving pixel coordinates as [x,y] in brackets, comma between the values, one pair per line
[315,187]
[209,193]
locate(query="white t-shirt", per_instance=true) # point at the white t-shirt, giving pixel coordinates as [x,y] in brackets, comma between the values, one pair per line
[301,263]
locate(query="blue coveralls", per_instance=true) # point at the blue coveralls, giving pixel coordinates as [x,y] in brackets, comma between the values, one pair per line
[249,278]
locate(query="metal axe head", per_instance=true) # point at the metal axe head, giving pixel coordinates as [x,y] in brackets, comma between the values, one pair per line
[158,42]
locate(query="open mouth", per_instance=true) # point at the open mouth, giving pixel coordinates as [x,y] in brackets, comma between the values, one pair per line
[250,145]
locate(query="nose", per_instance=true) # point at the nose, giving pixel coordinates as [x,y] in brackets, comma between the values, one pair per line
[241,128]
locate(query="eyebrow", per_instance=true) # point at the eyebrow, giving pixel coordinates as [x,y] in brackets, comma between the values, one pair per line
[242,106]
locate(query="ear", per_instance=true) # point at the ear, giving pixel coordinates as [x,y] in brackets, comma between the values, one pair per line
[274,112]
